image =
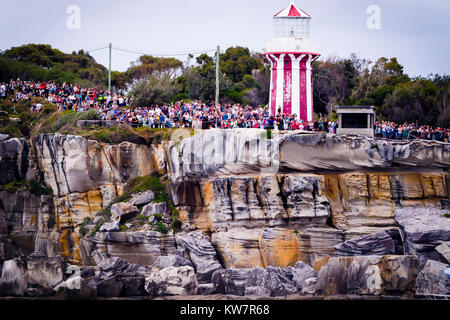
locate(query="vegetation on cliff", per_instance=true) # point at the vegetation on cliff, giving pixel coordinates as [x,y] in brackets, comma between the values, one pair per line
[135,186]
[32,186]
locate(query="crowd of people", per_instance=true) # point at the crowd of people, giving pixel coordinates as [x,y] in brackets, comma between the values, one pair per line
[194,114]
[407,131]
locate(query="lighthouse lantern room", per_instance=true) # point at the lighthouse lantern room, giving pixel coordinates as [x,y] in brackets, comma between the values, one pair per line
[291,54]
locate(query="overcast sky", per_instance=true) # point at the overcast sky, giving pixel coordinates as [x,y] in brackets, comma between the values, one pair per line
[417,32]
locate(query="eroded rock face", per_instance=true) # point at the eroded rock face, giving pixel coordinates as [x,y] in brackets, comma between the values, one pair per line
[20,213]
[74,164]
[368,275]
[305,196]
[118,278]
[13,160]
[444,252]
[45,272]
[265,203]
[179,281]
[13,281]
[201,252]
[378,243]
[423,229]
[171,261]
[432,280]
[282,247]
[233,152]
[272,281]
[147,246]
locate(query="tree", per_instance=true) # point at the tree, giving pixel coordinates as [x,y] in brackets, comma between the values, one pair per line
[236,62]
[149,66]
[412,101]
[155,91]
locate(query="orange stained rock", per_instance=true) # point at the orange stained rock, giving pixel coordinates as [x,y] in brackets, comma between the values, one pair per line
[282,249]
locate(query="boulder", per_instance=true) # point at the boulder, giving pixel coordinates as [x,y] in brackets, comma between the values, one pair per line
[75,288]
[273,281]
[179,281]
[142,198]
[154,208]
[201,253]
[171,261]
[13,281]
[232,281]
[123,211]
[378,243]
[279,281]
[423,229]
[119,278]
[309,286]
[399,274]
[108,287]
[120,212]
[368,275]
[444,252]
[133,284]
[301,273]
[44,271]
[112,266]
[350,275]
[432,280]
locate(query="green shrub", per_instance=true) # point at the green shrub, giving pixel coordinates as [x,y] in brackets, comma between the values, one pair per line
[32,186]
[97,229]
[37,189]
[161,228]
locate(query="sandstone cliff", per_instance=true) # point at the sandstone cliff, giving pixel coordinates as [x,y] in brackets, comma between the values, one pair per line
[264,199]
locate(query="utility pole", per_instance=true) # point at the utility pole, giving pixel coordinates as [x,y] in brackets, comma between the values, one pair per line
[109,75]
[217,74]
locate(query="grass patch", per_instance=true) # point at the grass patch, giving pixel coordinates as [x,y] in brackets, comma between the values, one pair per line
[64,121]
[447,215]
[22,111]
[32,186]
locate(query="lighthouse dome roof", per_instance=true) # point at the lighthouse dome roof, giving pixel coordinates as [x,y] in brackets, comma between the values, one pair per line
[292,11]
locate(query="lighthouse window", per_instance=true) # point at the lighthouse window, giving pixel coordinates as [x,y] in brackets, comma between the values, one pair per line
[292,27]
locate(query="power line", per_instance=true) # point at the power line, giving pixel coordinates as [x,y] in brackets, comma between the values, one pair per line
[164,54]
[173,54]
[93,50]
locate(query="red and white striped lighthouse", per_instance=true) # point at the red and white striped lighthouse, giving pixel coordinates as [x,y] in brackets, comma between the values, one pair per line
[291,54]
